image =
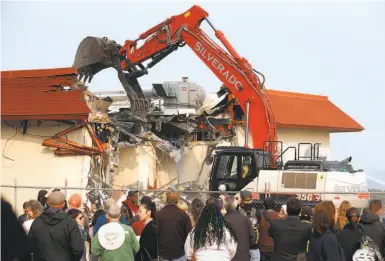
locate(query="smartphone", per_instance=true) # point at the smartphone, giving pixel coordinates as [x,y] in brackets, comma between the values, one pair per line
[284,208]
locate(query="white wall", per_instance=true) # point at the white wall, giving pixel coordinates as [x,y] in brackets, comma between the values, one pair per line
[142,164]
[136,164]
[291,137]
[32,164]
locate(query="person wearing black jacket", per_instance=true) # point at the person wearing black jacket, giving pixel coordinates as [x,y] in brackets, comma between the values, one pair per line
[351,235]
[14,241]
[173,227]
[373,227]
[242,228]
[324,245]
[54,235]
[290,235]
[148,240]
[249,211]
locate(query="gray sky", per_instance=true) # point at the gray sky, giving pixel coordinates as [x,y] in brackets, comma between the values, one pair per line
[333,49]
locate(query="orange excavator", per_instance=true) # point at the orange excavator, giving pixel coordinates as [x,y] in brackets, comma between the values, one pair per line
[134,59]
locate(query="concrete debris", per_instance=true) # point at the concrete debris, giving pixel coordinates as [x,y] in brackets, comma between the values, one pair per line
[181,113]
[184,126]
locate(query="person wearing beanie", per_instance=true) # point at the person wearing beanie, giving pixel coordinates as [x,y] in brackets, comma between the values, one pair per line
[54,235]
[75,202]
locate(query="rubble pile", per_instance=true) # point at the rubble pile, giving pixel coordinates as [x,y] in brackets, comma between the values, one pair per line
[180,114]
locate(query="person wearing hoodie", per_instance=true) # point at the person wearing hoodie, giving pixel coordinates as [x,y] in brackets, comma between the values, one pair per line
[54,235]
[350,236]
[372,225]
[115,241]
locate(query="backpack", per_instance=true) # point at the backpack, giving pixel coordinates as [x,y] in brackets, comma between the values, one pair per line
[251,214]
[368,246]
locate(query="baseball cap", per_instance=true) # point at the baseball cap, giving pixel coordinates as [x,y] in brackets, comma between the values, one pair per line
[246,197]
[307,212]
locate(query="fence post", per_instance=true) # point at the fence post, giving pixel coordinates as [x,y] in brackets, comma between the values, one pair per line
[137,188]
[15,193]
[65,187]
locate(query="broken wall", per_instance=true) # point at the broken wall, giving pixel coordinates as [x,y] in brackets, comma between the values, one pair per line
[31,164]
[145,164]
[136,164]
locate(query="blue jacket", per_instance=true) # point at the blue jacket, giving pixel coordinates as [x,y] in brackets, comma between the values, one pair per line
[102,220]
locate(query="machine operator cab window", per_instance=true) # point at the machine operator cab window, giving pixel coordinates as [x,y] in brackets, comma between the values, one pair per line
[233,171]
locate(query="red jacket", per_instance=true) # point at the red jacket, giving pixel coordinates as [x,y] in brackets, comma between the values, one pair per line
[133,207]
[138,226]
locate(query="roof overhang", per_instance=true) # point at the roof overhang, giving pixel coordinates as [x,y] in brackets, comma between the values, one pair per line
[47,94]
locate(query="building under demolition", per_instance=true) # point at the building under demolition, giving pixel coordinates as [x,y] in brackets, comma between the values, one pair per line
[56,132]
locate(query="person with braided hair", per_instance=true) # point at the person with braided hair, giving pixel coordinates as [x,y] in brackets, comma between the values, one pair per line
[212,238]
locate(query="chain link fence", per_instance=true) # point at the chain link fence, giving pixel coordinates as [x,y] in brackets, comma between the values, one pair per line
[18,194]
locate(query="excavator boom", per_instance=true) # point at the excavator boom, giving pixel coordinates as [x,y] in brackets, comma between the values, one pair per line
[95,54]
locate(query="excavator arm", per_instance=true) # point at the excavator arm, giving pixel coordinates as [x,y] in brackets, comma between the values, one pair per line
[95,54]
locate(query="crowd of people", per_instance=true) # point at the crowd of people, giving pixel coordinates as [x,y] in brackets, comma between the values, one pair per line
[228,228]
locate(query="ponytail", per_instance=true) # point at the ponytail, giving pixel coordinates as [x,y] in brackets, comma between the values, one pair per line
[152,207]
[153,210]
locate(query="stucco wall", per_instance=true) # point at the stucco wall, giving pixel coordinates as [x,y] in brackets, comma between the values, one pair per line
[291,137]
[136,164]
[31,164]
[143,164]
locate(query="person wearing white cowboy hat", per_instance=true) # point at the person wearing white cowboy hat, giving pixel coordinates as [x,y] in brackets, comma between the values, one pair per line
[115,241]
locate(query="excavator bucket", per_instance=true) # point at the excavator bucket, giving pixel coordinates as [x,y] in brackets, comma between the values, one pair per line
[93,55]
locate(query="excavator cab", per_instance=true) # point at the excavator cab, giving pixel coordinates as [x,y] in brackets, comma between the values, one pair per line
[235,167]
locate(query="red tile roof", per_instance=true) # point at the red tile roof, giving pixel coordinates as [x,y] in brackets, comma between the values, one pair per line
[296,110]
[38,94]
